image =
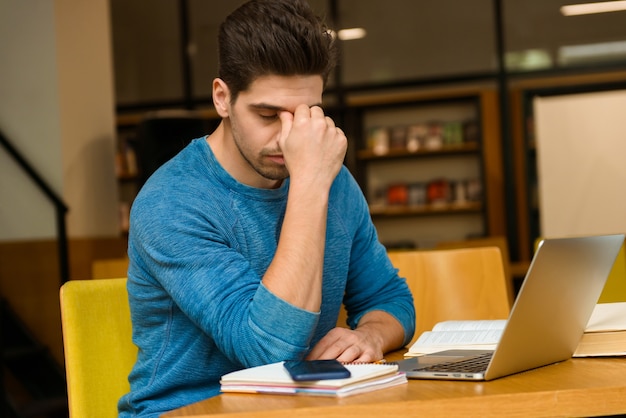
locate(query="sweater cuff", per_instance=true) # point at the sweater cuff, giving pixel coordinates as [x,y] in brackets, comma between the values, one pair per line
[282,323]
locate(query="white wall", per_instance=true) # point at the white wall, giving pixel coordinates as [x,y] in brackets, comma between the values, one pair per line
[581,152]
[57,108]
[29,116]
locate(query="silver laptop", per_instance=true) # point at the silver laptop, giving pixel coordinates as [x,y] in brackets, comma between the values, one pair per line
[551,311]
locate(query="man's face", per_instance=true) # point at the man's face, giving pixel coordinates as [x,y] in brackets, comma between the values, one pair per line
[256,127]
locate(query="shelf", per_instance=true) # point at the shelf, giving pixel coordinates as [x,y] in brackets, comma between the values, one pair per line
[137,134]
[134,119]
[470,164]
[127,178]
[427,210]
[465,148]
[404,95]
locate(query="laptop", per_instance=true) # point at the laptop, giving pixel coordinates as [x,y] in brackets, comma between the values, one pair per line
[548,318]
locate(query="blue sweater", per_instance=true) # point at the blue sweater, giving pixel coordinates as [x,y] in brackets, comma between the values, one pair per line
[199,245]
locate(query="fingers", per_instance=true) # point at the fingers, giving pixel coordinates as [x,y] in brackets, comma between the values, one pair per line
[345,345]
[318,113]
[313,148]
[346,354]
[286,121]
[308,124]
[304,113]
[314,114]
[331,345]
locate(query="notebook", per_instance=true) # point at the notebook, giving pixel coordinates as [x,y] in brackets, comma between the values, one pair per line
[548,318]
[274,379]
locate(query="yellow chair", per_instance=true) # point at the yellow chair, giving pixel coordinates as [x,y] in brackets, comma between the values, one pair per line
[455,284]
[99,352]
[615,287]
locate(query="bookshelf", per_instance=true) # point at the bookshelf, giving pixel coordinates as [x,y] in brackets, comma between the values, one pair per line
[430,164]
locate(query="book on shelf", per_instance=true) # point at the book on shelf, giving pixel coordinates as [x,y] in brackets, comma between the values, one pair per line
[605,334]
[274,379]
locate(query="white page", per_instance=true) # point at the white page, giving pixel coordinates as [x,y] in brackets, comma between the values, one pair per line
[470,325]
[608,317]
[448,338]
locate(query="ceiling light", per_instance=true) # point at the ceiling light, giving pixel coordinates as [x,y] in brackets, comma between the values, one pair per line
[605,51]
[590,8]
[352,33]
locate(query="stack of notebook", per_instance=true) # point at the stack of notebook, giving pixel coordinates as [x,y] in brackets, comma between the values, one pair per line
[274,379]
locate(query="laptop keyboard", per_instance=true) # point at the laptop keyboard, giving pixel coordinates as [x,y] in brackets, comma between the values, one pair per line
[471,365]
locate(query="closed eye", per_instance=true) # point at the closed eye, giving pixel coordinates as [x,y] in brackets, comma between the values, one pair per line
[271,117]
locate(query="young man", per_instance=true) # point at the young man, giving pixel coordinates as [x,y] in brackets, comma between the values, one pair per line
[244,246]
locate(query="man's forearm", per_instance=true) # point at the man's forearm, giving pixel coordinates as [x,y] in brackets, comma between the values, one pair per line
[295,273]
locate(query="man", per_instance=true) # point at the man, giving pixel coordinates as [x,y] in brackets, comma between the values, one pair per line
[244,246]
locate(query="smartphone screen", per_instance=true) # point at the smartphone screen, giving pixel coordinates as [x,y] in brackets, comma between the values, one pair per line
[300,370]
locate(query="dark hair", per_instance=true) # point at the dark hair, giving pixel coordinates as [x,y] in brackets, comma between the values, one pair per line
[273,37]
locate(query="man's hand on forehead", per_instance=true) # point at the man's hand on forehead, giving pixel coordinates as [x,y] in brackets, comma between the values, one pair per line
[313,147]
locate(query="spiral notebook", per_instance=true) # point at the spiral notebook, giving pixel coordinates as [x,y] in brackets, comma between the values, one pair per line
[274,379]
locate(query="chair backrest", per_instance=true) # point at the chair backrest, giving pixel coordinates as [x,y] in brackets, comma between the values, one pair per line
[99,352]
[492,241]
[454,284]
[615,287]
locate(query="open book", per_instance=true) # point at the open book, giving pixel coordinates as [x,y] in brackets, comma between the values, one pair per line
[605,334]
[477,334]
[274,379]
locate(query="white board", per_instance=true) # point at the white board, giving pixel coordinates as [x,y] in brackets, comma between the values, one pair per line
[581,163]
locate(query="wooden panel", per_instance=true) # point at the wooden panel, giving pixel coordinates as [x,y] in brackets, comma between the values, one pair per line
[110,268]
[84,252]
[492,162]
[30,280]
[520,175]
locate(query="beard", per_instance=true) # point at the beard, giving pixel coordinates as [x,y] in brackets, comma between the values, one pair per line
[259,163]
[268,170]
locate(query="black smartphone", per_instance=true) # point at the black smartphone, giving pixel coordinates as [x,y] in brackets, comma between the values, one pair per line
[301,370]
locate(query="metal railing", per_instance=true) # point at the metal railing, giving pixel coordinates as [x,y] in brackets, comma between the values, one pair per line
[60,207]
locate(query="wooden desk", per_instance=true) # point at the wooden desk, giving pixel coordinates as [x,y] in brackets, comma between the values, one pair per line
[576,387]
